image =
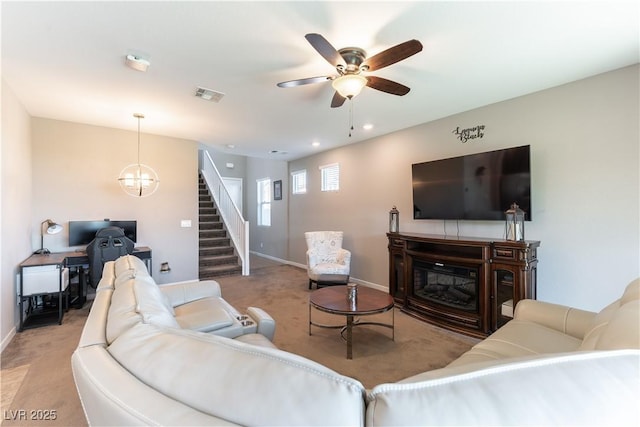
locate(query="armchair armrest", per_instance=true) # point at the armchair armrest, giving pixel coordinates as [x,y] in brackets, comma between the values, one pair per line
[344,257]
[180,293]
[568,320]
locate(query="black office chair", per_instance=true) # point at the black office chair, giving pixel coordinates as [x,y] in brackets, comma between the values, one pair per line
[109,244]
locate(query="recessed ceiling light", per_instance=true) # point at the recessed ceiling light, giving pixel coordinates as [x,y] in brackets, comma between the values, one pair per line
[367,126]
[315,143]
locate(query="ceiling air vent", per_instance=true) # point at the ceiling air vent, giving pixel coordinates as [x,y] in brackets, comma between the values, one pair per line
[209,94]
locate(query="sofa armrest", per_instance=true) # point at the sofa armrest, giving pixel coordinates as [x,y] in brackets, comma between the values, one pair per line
[266,324]
[568,320]
[180,293]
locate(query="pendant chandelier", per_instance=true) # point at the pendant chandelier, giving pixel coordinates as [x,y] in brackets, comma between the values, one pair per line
[139,180]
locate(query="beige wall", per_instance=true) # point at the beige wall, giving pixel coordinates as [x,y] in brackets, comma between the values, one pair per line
[15,200]
[75,171]
[585,186]
[269,241]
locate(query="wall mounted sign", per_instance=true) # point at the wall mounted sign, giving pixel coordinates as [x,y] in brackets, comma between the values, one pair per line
[465,135]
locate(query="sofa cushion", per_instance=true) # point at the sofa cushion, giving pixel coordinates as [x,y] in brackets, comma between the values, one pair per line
[152,304]
[519,338]
[256,339]
[131,266]
[602,319]
[631,292]
[108,276]
[594,388]
[204,315]
[122,311]
[94,331]
[623,330]
[238,382]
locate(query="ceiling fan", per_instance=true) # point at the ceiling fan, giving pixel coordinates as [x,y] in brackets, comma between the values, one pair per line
[351,62]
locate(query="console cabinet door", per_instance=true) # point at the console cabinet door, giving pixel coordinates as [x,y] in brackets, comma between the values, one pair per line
[397,283]
[513,277]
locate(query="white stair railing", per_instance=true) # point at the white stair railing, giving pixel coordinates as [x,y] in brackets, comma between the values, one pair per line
[237,227]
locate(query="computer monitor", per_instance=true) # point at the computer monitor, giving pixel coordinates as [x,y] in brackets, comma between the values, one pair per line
[81,233]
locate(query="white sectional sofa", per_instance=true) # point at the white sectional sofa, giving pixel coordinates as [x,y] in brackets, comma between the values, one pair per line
[167,355]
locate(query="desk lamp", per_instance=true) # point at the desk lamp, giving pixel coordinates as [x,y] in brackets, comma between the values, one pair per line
[52,228]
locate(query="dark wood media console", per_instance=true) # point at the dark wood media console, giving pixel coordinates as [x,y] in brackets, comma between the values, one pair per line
[464,284]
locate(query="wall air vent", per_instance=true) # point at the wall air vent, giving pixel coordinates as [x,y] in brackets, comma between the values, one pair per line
[209,94]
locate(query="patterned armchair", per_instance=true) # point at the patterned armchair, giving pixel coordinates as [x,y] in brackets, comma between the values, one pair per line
[327,262]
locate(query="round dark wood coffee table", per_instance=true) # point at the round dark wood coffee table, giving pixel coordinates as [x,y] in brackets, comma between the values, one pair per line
[333,300]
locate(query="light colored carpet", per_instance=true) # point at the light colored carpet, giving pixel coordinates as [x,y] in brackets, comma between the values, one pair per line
[36,368]
[282,291]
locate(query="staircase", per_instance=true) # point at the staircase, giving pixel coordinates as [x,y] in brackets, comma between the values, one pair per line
[216,256]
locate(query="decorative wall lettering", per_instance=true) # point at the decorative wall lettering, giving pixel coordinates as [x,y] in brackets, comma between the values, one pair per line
[469,133]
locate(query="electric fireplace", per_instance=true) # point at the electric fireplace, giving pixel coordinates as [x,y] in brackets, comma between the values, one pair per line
[448,285]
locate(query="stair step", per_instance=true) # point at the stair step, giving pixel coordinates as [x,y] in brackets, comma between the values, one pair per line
[215,251]
[206,234]
[214,241]
[208,226]
[208,211]
[208,261]
[206,205]
[219,270]
[209,217]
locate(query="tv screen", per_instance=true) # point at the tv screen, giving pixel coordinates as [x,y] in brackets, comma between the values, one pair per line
[473,187]
[81,233]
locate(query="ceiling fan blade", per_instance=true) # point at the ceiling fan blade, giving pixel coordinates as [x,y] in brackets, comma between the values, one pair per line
[387,86]
[337,100]
[325,49]
[300,82]
[393,54]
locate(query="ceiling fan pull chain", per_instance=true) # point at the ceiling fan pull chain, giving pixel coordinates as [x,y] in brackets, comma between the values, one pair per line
[350,116]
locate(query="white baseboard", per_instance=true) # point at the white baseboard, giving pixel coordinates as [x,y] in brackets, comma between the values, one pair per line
[6,340]
[304,267]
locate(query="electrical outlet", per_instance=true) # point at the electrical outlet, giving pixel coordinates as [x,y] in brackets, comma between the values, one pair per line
[185,223]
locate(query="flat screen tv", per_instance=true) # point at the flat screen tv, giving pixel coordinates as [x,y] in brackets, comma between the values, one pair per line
[81,233]
[473,187]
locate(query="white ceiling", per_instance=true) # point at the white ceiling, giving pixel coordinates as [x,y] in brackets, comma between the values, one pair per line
[65,61]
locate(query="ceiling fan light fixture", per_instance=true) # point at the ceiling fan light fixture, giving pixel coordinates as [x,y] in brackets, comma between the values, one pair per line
[349,85]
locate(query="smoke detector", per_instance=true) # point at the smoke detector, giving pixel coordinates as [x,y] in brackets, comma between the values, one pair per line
[137,63]
[209,94]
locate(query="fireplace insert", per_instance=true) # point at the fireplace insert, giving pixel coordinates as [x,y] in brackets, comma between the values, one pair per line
[449,285]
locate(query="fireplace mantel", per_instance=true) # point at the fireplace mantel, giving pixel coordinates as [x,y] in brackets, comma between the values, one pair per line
[490,276]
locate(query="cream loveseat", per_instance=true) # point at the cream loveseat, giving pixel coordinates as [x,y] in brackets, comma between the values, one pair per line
[140,362]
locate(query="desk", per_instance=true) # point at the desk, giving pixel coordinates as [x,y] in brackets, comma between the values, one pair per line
[42,276]
[43,266]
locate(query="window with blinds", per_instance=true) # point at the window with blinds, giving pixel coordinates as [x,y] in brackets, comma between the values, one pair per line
[330,176]
[299,182]
[264,202]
